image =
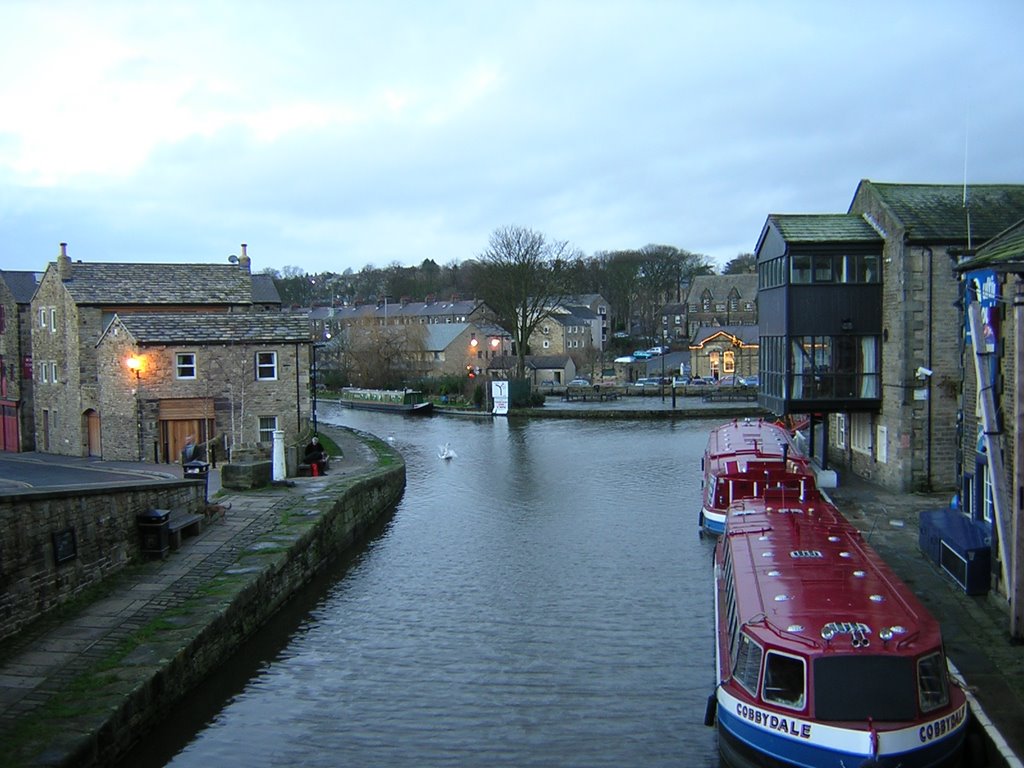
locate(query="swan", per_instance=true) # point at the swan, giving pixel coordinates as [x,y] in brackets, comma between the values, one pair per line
[446,452]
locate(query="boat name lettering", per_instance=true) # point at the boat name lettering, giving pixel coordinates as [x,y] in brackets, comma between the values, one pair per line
[846,627]
[942,726]
[774,722]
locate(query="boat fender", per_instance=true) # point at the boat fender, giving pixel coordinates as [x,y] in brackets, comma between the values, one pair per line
[711,711]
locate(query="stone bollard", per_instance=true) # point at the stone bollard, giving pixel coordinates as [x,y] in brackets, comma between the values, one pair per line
[279,465]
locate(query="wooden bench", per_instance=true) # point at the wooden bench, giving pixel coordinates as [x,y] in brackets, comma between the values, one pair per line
[304,469]
[183,524]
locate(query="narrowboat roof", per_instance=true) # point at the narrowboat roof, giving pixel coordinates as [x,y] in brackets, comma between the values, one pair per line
[750,437]
[803,573]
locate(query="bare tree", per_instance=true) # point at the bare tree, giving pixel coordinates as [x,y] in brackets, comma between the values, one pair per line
[745,263]
[384,356]
[523,277]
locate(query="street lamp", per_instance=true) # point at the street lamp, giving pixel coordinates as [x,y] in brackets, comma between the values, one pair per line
[134,363]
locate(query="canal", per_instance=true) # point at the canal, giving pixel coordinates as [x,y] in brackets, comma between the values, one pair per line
[542,599]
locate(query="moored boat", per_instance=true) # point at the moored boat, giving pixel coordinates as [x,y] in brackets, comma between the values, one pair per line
[744,459]
[396,400]
[824,658]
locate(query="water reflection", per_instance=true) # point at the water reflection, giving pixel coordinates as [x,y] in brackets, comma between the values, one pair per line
[541,600]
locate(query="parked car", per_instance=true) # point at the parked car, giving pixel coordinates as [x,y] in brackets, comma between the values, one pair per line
[642,354]
[681,381]
[729,381]
[699,381]
[648,382]
[751,381]
[658,351]
[580,381]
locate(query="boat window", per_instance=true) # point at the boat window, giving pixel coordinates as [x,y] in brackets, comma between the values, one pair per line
[783,680]
[932,682]
[858,687]
[748,663]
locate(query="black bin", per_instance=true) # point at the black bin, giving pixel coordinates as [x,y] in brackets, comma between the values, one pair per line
[154,534]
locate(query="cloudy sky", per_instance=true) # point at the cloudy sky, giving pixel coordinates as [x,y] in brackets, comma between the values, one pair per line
[332,135]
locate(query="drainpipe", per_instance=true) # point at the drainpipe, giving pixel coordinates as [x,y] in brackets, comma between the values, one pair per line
[1015,588]
[928,380]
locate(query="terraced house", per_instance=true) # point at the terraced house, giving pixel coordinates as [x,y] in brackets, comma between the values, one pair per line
[198,351]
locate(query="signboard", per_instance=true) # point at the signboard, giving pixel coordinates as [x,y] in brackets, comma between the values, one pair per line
[983,286]
[499,396]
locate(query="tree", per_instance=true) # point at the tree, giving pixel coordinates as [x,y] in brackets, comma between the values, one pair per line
[744,264]
[523,278]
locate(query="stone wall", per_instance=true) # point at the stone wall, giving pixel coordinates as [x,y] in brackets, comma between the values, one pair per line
[55,544]
[189,656]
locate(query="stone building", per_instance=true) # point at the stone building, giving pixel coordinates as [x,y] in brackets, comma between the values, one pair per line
[990,463]
[893,250]
[714,300]
[729,351]
[74,304]
[17,417]
[227,379]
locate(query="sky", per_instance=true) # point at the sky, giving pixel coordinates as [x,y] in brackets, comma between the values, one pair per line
[335,135]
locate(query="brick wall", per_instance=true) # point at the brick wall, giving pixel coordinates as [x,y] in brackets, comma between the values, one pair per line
[95,526]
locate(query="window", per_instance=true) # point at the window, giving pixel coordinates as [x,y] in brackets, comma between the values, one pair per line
[801,272]
[839,430]
[44,372]
[53,319]
[932,682]
[748,663]
[860,432]
[53,372]
[784,680]
[266,366]
[42,317]
[185,367]
[729,361]
[268,425]
[3,318]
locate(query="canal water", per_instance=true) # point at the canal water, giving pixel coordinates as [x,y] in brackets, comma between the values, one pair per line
[542,599]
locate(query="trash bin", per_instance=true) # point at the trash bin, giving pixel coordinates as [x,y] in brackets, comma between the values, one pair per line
[154,535]
[198,470]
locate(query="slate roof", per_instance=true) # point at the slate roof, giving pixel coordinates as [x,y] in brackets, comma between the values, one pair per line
[748,334]
[441,335]
[21,284]
[215,327]
[1006,250]
[159,284]
[720,286]
[935,212]
[824,228]
[264,290]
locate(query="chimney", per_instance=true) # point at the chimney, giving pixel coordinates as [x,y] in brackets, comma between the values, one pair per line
[64,263]
[243,260]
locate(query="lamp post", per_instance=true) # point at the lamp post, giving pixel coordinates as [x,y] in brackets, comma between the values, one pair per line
[134,363]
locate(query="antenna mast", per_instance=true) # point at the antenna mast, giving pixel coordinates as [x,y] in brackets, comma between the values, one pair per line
[967,202]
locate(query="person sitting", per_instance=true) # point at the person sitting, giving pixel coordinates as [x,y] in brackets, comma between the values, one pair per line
[316,457]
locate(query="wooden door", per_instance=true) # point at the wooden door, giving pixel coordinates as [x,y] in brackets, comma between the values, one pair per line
[92,427]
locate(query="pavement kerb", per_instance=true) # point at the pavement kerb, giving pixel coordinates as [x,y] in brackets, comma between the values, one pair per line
[975,628]
[73,685]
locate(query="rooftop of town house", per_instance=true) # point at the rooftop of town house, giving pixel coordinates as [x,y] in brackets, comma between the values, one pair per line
[824,228]
[746,334]
[214,327]
[720,286]
[1005,250]
[107,284]
[21,284]
[937,212]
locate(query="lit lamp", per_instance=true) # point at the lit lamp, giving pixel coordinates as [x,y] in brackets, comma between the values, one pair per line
[134,363]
